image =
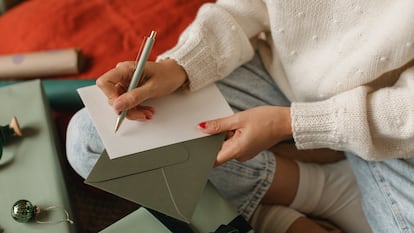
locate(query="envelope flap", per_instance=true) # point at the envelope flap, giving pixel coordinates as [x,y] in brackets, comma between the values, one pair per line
[170,189]
[107,169]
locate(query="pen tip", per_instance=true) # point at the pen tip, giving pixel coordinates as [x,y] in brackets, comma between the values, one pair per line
[118,124]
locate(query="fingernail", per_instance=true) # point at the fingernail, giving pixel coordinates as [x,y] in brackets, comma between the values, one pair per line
[148,117]
[202,125]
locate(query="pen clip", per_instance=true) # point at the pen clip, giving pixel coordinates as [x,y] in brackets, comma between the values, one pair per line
[139,55]
[140,51]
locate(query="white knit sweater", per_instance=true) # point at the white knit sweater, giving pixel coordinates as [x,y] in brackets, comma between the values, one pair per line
[339,62]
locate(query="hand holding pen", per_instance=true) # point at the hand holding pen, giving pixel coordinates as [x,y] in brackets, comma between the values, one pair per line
[137,76]
[161,78]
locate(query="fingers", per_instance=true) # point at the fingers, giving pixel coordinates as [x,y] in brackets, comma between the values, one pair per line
[115,83]
[219,125]
[115,80]
[131,99]
[230,149]
[141,113]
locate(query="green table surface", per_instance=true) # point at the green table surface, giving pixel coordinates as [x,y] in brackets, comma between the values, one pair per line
[61,94]
[212,211]
[30,167]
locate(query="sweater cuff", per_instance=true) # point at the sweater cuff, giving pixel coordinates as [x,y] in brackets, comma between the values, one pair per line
[194,56]
[315,125]
[211,47]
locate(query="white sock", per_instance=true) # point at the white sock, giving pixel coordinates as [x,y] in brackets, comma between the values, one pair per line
[273,218]
[330,191]
[310,188]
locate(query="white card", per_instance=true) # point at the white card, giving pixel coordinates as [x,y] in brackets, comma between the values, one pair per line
[175,120]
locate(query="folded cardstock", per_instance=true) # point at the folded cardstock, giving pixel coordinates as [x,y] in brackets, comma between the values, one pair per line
[175,119]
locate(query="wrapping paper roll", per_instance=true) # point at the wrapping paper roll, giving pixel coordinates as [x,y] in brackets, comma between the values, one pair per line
[41,64]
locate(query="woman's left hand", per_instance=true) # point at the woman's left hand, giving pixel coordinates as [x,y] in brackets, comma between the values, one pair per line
[250,131]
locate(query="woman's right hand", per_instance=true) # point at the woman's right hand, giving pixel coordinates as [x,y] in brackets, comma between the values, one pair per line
[159,79]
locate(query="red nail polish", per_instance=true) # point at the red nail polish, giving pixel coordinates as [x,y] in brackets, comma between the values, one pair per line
[202,125]
[148,117]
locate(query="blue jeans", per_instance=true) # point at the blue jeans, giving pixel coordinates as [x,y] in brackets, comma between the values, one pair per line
[387,189]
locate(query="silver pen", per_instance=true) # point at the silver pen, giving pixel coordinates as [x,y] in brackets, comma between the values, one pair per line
[136,77]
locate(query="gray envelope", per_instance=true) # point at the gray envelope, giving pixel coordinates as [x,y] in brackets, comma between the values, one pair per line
[168,179]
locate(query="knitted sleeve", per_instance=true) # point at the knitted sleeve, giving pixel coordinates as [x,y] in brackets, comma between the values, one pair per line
[374,124]
[217,41]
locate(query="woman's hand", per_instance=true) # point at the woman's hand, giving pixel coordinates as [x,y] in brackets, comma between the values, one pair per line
[250,131]
[159,79]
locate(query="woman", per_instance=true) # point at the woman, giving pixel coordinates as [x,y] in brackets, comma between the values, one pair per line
[346,70]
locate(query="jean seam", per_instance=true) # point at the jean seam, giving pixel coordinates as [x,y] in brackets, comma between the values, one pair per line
[385,188]
[261,188]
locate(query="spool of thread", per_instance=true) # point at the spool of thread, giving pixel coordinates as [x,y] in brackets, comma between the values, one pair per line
[41,64]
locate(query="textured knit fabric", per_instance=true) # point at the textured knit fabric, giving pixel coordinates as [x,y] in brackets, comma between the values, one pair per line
[343,64]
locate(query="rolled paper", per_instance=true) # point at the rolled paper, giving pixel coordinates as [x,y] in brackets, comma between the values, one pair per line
[41,64]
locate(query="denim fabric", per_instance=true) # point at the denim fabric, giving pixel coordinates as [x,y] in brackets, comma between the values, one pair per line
[83,144]
[387,189]
[244,184]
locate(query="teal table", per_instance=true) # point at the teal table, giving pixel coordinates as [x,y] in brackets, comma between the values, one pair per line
[30,167]
[61,94]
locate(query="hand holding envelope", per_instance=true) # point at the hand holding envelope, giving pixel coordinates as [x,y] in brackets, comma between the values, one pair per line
[161,164]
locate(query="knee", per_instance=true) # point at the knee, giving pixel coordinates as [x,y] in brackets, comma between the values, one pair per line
[83,145]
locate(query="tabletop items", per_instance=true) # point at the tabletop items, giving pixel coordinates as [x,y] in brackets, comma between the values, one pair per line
[24,211]
[9,131]
[30,166]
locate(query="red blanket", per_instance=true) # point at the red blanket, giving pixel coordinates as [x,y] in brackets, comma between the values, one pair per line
[106,31]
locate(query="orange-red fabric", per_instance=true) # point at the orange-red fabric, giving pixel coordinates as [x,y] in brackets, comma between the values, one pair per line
[106,31]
